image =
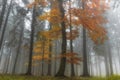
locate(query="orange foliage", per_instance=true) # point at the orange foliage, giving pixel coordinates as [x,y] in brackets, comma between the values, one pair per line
[53,16]
[74,32]
[37,3]
[90,17]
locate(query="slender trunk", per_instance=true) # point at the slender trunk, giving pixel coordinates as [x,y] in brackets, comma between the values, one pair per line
[118,54]
[3,12]
[18,50]
[71,42]
[106,65]
[110,61]
[5,25]
[1,54]
[99,66]
[49,67]
[31,42]
[96,66]
[43,58]
[111,64]
[85,61]
[116,67]
[8,62]
[49,62]
[55,65]
[63,59]
[5,65]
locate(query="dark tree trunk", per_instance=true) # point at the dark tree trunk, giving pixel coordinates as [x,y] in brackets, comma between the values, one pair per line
[61,70]
[85,61]
[49,67]
[31,42]
[3,12]
[55,65]
[43,58]
[106,65]
[110,62]
[7,67]
[49,62]
[71,43]
[5,25]
[99,65]
[4,28]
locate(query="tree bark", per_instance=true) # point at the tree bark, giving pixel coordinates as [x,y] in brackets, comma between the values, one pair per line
[49,62]
[85,61]
[5,25]
[31,42]
[43,57]
[61,70]
[3,12]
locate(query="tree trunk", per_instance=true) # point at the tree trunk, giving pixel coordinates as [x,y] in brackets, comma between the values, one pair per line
[111,63]
[5,25]
[106,65]
[18,49]
[7,67]
[71,43]
[49,62]
[43,58]
[31,42]
[110,58]
[99,65]
[85,61]
[3,12]
[61,70]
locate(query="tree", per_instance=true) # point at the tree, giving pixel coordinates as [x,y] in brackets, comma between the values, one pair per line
[31,41]
[3,12]
[18,49]
[4,26]
[90,17]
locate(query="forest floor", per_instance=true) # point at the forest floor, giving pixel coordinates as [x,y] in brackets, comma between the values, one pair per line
[18,77]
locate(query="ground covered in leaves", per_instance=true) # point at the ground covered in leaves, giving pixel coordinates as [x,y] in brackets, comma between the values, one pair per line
[18,77]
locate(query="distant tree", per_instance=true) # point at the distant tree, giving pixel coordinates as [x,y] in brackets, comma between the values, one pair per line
[4,2]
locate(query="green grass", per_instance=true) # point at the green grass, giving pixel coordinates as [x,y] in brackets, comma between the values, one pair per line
[18,77]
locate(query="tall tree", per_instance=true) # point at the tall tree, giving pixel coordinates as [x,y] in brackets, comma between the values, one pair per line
[31,41]
[64,43]
[85,59]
